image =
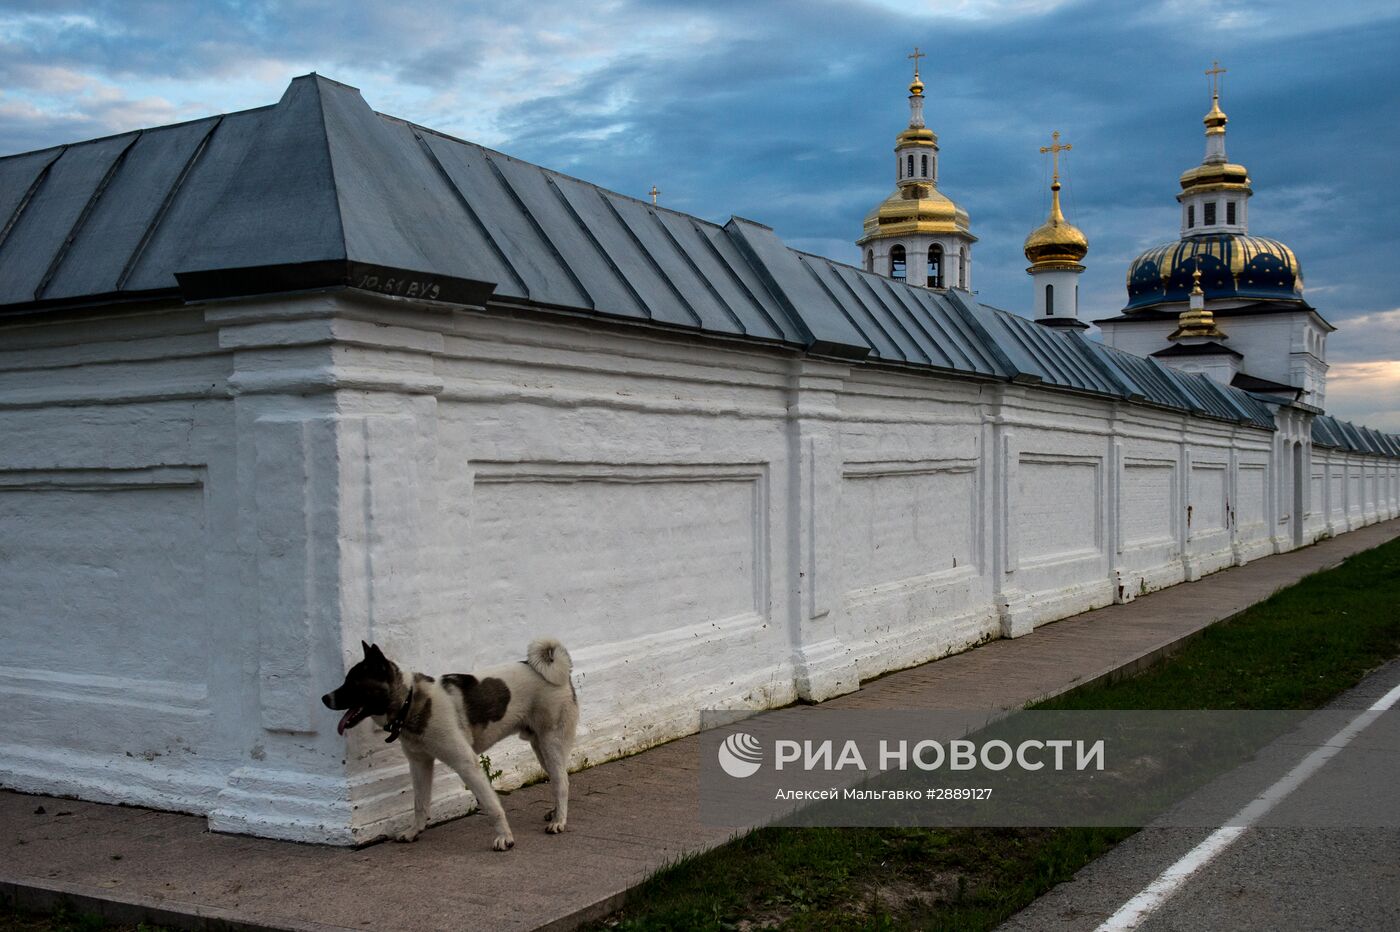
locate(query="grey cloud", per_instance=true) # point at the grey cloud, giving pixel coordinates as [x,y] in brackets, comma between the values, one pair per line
[786,112]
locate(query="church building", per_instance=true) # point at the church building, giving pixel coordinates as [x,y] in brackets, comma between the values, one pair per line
[1220,300]
[279,380]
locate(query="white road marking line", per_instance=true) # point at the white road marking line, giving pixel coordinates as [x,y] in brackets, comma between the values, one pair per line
[1132,913]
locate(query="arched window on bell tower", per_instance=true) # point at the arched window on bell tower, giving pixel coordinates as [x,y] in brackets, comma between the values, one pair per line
[962,267]
[1049,300]
[897,263]
[870,260]
[935,266]
[923,168]
[910,172]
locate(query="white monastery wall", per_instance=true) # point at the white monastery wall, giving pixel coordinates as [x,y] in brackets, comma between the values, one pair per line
[203,510]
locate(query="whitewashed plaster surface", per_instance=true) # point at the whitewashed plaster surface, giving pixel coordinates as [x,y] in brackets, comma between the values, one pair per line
[203,510]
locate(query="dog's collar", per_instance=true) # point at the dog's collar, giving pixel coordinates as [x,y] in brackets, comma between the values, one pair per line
[395,724]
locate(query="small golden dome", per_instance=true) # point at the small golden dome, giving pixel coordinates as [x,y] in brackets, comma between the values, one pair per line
[915,208]
[1215,176]
[1216,119]
[916,136]
[916,87]
[1056,242]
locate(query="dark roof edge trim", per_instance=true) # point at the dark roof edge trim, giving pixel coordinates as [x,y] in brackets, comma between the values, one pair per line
[331,273]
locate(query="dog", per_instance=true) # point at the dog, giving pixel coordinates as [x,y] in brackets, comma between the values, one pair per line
[457,717]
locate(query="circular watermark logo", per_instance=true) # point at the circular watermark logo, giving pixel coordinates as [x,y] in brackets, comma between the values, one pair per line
[740,755]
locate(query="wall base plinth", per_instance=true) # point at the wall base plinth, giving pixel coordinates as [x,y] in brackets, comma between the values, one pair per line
[1124,586]
[285,804]
[105,778]
[823,670]
[1017,616]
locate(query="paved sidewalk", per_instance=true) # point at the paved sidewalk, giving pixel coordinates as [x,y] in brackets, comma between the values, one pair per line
[629,818]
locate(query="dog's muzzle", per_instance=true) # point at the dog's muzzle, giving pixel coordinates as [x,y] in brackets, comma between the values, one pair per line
[352,717]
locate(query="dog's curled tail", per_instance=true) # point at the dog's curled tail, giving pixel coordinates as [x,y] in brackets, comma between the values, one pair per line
[550,660]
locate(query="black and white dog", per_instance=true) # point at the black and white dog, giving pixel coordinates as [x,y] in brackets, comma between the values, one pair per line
[455,718]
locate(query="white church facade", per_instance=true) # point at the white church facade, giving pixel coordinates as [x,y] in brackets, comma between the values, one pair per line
[279,380]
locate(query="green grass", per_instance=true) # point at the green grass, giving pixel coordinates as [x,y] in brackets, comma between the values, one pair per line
[1296,650]
[63,920]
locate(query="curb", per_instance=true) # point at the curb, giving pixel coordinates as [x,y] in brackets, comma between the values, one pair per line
[47,897]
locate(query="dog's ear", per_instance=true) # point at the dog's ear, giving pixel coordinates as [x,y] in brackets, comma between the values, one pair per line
[366,647]
[375,654]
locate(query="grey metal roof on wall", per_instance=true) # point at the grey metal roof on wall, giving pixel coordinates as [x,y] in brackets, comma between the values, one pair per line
[1328,431]
[1056,358]
[319,190]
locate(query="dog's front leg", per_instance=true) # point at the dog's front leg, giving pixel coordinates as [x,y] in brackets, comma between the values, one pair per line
[420,769]
[463,759]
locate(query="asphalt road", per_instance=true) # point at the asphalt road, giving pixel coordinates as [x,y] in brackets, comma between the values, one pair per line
[1273,875]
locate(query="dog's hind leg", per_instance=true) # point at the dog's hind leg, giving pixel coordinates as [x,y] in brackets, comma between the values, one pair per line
[554,757]
[420,769]
[461,758]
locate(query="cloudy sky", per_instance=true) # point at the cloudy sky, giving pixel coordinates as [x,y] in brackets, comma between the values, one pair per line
[785,112]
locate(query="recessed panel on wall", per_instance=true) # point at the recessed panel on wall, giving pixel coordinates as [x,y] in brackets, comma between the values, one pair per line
[905,520]
[1253,487]
[1059,508]
[599,553]
[1148,493]
[103,575]
[1207,497]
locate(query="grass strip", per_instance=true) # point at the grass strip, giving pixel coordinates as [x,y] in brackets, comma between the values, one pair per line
[66,919]
[1295,650]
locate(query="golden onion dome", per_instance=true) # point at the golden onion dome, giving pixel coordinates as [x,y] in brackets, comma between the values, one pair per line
[916,87]
[1056,243]
[915,208]
[1215,119]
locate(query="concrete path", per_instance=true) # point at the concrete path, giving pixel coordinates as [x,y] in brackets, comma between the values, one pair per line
[629,817]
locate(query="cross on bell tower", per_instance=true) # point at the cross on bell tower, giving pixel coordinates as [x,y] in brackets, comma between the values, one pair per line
[1214,74]
[1055,149]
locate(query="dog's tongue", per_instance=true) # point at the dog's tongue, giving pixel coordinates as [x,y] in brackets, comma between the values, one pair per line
[349,718]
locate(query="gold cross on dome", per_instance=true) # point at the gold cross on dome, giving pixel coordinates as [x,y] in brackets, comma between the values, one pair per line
[1214,74]
[1055,149]
[654,192]
[916,56]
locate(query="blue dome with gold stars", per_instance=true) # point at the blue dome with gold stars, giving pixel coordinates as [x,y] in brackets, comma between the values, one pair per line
[1232,265]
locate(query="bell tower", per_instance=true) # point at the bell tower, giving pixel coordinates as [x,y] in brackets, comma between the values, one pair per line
[918,234]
